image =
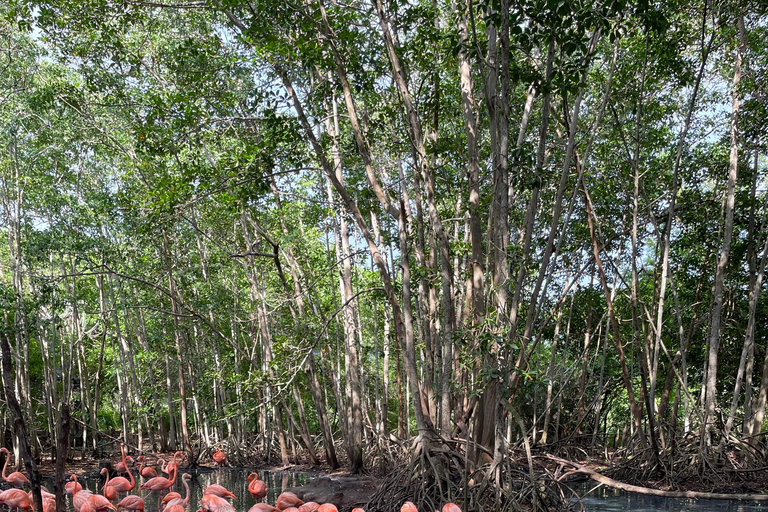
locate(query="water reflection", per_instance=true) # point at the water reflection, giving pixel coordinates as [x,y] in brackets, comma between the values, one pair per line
[605,499]
[236,480]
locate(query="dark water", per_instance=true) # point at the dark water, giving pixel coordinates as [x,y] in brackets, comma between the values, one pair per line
[235,480]
[594,499]
[606,499]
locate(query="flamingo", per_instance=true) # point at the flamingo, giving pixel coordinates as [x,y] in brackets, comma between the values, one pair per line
[87,507]
[287,500]
[122,466]
[72,486]
[257,488]
[17,499]
[178,501]
[11,496]
[160,483]
[291,509]
[448,507]
[219,458]
[99,503]
[170,496]
[220,491]
[358,510]
[408,507]
[109,492]
[146,472]
[327,507]
[263,507]
[49,505]
[79,495]
[120,483]
[80,498]
[175,508]
[168,465]
[213,503]
[16,479]
[309,506]
[132,502]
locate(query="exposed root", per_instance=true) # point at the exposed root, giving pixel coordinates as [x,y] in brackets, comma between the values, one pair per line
[657,492]
[727,465]
[438,474]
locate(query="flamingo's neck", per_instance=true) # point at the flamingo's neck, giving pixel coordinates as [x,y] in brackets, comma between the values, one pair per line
[5,466]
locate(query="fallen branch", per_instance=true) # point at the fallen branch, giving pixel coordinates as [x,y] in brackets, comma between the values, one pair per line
[610,482]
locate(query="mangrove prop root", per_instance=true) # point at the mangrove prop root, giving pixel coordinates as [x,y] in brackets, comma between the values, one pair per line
[436,475]
[610,482]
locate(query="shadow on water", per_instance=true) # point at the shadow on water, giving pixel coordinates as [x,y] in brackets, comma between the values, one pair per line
[235,480]
[605,499]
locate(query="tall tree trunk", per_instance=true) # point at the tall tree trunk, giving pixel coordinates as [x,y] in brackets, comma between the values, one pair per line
[722,263]
[20,428]
[352,368]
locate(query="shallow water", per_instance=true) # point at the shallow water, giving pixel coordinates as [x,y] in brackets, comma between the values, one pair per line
[235,480]
[606,499]
[594,498]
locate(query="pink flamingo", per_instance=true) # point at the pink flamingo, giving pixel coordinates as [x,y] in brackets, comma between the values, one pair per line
[327,507]
[120,483]
[257,488]
[122,466]
[146,472]
[448,507]
[179,501]
[99,503]
[220,491]
[170,496]
[408,507]
[131,502]
[16,479]
[213,503]
[79,496]
[169,465]
[17,500]
[263,507]
[287,500]
[310,506]
[72,486]
[220,458]
[10,497]
[160,483]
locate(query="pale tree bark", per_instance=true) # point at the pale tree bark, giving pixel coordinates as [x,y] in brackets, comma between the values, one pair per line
[722,263]
[756,423]
[352,371]
[427,173]
[180,337]
[752,263]
[705,52]
[475,289]
[746,362]
[422,421]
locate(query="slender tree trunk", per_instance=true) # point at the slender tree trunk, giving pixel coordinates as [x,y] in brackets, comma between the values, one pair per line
[633,407]
[722,263]
[19,424]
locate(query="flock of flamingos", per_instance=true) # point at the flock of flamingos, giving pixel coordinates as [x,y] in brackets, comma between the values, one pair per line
[214,497]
